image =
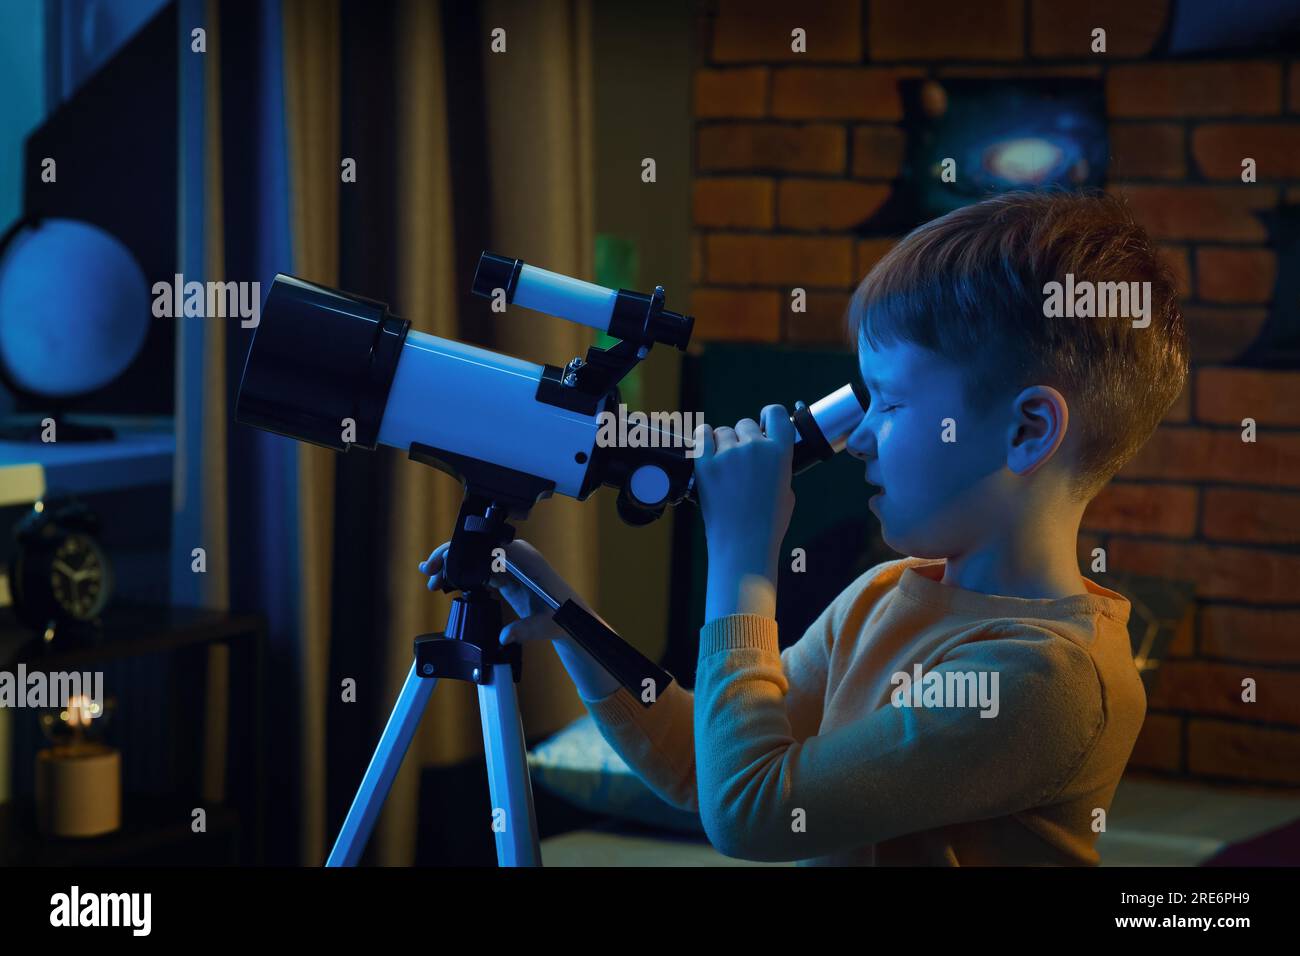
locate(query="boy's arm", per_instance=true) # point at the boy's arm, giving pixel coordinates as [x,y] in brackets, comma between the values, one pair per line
[658,742]
[898,770]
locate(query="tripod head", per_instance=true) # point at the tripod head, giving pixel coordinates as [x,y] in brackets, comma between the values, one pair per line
[470,648]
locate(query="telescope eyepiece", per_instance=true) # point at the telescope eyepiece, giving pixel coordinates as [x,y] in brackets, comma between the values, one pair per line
[496,272]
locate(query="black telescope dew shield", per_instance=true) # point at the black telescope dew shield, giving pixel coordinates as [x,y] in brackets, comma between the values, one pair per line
[323,360]
[340,370]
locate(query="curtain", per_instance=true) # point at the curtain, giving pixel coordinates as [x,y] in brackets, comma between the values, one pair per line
[199,518]
[541,212]
[541,160]
[261,190]
[237,489]
[311,91]
[423,502]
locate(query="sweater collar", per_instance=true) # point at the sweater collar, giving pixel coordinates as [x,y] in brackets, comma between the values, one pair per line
[921,581]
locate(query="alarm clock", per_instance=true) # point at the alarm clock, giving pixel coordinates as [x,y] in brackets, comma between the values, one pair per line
[60,577]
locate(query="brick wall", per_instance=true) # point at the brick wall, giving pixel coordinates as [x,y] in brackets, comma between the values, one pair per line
[794,150]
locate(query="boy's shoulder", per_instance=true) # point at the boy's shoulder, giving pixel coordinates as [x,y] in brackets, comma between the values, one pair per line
[1082,638]
[871,585]
[1077,617]
[888,572]
[883,577]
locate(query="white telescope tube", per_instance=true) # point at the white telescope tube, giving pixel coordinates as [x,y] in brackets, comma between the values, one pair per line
[483,404]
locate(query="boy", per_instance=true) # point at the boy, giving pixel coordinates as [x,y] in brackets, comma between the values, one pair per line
[975,702]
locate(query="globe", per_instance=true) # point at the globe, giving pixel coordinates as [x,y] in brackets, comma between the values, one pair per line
[74,308]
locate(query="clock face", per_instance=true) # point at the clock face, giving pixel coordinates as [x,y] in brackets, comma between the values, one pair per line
[77,577]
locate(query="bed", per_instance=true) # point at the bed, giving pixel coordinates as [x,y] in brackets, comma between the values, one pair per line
[1154,821]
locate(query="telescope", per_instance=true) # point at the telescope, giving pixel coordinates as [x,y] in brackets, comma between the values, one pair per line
[342,371]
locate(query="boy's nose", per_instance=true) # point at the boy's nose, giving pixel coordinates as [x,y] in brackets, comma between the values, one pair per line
[859,443]
[856,450]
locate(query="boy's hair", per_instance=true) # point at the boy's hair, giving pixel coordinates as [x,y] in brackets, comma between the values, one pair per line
[970,287]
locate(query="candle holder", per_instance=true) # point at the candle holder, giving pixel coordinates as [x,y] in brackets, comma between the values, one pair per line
[79,777]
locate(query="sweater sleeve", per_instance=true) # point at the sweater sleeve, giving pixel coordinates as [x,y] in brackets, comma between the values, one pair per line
[766,795]
[658,742]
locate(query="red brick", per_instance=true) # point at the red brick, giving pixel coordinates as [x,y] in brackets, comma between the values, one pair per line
[819,148]
[946,29]
[1203,454]
[1147,151]
[822,322]
[1235,275]
[877,152]
[1055,71]
[1179,260]
[1065,29]
[1220,148]
[1229,88]
[1183,643]
[1181,409]
[1293,99]
[813,204]
[740,203]
[736,315]
[1227,395]
[1250,634]
[1160,744]
[731,93]
[1219,334]
[867,252]
[1219,571]
[1243,752]
[1166,510]
[1227,275]
[754,30]
[807,262]
[868,93]
[1215,689]
[1216,213]
[1234,514]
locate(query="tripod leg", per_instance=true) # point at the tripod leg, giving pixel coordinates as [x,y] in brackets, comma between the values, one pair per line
[399,731]
[507,764]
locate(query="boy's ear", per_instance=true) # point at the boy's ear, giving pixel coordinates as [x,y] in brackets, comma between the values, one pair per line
[1040,419]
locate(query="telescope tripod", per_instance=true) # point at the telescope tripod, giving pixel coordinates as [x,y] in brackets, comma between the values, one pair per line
[469,649]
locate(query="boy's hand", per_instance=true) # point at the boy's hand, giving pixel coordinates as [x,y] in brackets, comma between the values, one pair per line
[534,614]
[743,476]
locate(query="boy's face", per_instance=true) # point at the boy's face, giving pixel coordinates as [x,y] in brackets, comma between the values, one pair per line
[940,497]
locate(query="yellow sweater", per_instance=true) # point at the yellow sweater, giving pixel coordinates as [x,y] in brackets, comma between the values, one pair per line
[807,754]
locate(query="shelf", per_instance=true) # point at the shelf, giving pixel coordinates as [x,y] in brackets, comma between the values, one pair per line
[154,830]
[130,630]
[141,455]
[181,637]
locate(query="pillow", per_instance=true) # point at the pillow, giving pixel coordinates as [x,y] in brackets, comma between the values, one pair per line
[577,764]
